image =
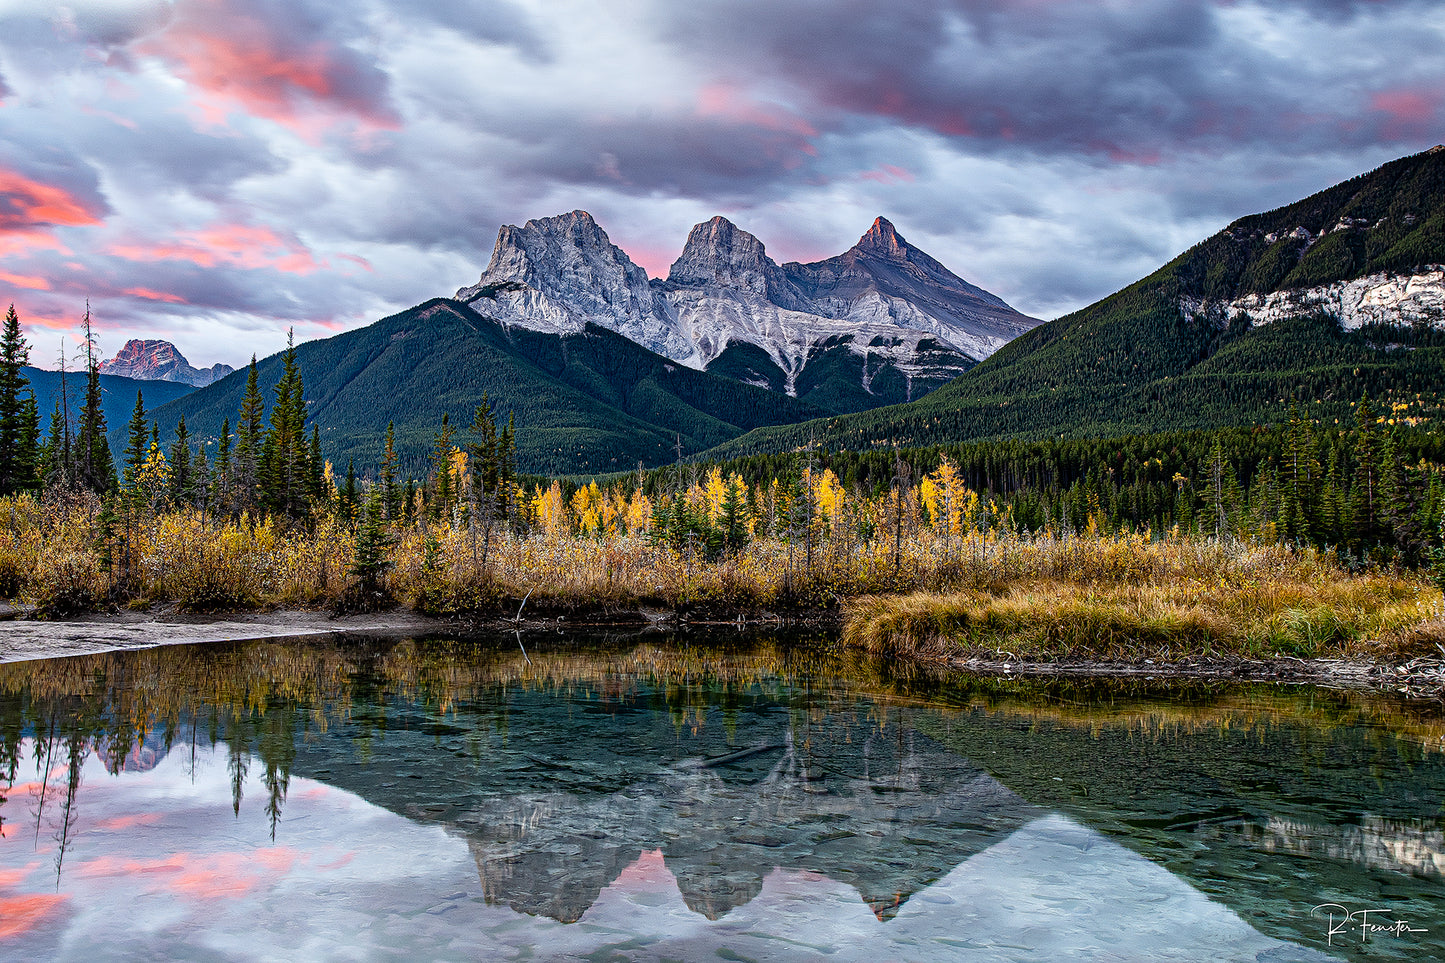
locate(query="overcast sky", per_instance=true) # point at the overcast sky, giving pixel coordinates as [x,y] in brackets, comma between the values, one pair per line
[214,171]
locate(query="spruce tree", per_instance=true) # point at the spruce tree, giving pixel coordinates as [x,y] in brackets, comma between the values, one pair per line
[1363,507]
[372,557]
[443,493]
[347,497]
[16,465]
[284,476]
[138,444]
[221,476]
[390,493]
[249,436]
[95,469]
[182,479]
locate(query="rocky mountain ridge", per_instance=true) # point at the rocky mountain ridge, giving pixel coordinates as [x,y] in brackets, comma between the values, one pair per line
[882,322]
[160,361]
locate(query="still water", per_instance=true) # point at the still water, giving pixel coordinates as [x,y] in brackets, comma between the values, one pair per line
[724,798]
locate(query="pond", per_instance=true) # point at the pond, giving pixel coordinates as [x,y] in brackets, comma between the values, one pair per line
[733,797]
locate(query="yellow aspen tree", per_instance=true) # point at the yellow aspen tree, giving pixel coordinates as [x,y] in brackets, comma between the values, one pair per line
[639,513]
[551,510]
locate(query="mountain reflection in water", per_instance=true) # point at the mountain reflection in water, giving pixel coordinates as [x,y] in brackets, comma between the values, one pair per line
[436,799]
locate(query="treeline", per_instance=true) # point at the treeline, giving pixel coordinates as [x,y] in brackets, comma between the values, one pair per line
[75,455]
[1373,489]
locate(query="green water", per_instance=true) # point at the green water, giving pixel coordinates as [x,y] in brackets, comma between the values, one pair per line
[724,797]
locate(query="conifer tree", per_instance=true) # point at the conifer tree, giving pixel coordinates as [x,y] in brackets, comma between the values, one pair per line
[285,480]
[1363,508]
[315,468]
[182,478]
[138,435]
[371,559]
[390,493]
[249,439]
[443,493]
[28,463]
[17,471]
[95,469]
[221,477]
[347,497]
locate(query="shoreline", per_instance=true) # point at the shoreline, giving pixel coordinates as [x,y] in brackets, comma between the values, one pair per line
[25,638]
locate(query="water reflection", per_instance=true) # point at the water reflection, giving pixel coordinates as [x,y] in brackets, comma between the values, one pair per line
[777,801]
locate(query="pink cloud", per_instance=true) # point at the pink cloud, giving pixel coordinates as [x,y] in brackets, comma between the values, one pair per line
[234,57]
[1406,111]
[888,174]
[13,877]
[728,102]
[234,245]
[20,914]
[149,295]
[25,281]
[26,203]
[211,876]
[119,823]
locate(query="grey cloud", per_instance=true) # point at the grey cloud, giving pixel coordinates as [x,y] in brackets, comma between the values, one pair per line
[488,21]
[1125,83]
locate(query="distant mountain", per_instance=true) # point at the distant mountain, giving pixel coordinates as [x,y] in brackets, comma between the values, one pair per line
[117,394]
[584,401]
[160,361]
[1322,300]
[881,323]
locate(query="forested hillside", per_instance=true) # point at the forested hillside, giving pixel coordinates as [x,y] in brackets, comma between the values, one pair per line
[1168,353]
[592,401]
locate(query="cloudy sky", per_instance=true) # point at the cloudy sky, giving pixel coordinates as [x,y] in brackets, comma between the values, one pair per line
[214,171]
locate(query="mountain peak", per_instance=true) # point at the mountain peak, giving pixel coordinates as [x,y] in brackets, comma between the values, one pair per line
[882,238]
[720,252]
[156,360]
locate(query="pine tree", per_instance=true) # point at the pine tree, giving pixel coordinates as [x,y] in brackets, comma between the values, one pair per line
[182,478]
[443,493]
[733,517]
[249,439]
[1363,505]
[95,469]
[284,456]
[347,502]
[221,477]
[54,457]
[138,433]
[372,558]
[390,493]
[16,465]
[28,452]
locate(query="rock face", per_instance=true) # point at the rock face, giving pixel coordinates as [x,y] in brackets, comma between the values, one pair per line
[1409,299]
[881,323]
[160,361]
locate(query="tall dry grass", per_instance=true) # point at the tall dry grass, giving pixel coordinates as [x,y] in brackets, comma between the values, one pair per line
[936,593]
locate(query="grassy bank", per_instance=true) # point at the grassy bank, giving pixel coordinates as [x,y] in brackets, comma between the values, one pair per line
[934,594]
[1189,600]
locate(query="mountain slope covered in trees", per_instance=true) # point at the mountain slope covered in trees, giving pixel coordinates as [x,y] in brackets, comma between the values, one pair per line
[117,393]
[1325,299]
[585,402]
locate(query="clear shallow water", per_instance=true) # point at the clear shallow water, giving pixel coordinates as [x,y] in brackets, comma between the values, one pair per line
[757,800]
